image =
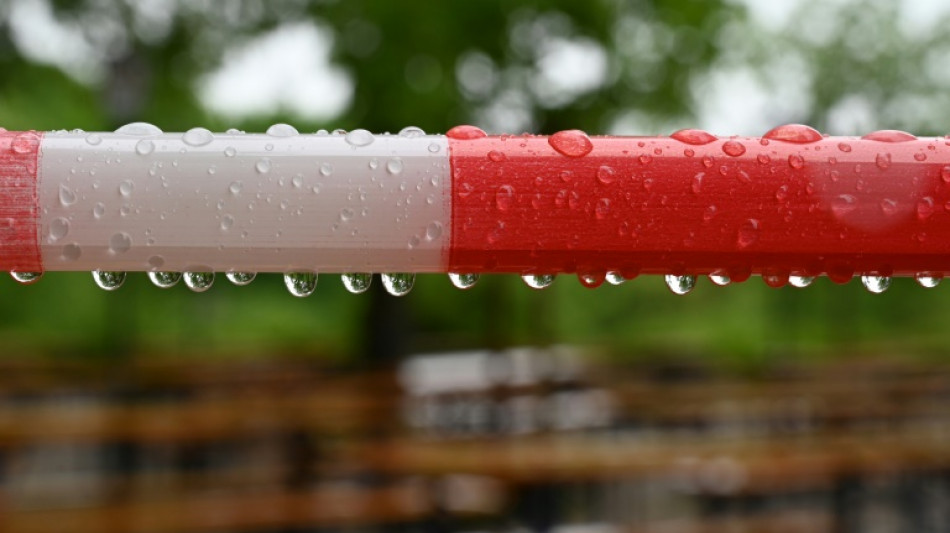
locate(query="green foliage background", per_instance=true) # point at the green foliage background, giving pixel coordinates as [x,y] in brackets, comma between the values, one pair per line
[659,54]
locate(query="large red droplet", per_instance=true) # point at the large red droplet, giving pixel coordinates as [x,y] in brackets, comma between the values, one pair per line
[465,133]
[794,133]
[571,143]
[889,136]
[694,137]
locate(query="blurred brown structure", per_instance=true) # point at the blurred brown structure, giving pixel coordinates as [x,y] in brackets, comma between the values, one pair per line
[473,441]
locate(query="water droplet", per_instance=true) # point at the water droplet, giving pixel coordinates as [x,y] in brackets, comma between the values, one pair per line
[889,136]
[504,197]
[538,281]
[920,156]
[694,137]
[463,281]
[496,156]
[843,205]
[720,279]
[358,138]
[226,222]
[398,284]
[120,242]
[240,278]
[356,282]
[198,281]
[796,161]
[126,188]
[465,133]
[26,278]
[66,196]
[680,284]
[108,280]
[571,143]
[733,148]
[615,278]
[794,133]
[606,174]
[99,210]
[748,233]
[197,137]
[800,282]
[58,228]
[844,147]
[144,147]
[888,206]
[139,129]
[282,130]
[775,278]
[882,160]
[347,214]
[781,194]
[927,280]
[94,139]
[602,209]
[394,166]
[230,151]
[71,252]
[301,284]
[164,280]
[591,280]
[876,284]
[707,161]
[411,132]
[433,230]
[945,174]
[235,187]
[263,165]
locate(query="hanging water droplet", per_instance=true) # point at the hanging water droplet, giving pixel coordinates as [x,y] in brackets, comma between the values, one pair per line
[463,281]
[538,281]
[26,278]
[66,196]
[144,147]
[262,166]
[356,282]
[720,279]
[164,280]
[108,280]
[571,143]
[927,280]
[301,284]
[197,137]
[198,281]
[800,282]
[358,138]
[876,284]
[413,131]
[282,130]
[241,278]
[680,284]
[615,278]
[398,284]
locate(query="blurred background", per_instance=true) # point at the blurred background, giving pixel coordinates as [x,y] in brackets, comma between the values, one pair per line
[624,408]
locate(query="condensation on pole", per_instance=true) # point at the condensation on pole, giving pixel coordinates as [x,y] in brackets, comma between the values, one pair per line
[788,206]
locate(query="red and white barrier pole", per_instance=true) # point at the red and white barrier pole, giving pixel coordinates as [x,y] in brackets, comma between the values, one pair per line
[790,205]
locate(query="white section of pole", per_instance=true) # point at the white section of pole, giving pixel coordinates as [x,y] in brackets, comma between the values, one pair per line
[142,200]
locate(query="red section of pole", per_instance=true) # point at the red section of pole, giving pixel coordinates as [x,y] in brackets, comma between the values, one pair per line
[790,203]
[19,248]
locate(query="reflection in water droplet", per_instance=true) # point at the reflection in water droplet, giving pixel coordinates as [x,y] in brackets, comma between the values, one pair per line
[876,284]
[927,280]
[108,280]
[241,278]
[680,284]
[197,137]
[571,143]
[591,280]
[615,278]
[463,281]
[398,284]
[26,278]
[800,282]
[720,279]
[164,280]
[198,281]
[538,281]
[301,284]
[356,282]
